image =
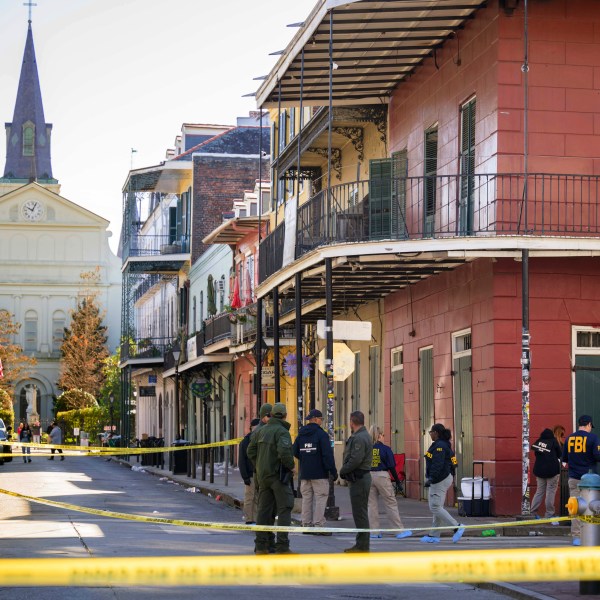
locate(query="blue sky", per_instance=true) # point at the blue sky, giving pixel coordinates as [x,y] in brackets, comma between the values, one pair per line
[122,74]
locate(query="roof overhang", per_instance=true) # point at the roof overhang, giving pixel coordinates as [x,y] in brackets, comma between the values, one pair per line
[170,177]
[232,230]
[376,45]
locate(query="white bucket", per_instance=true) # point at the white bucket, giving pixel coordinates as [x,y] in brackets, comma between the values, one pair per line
[470,488]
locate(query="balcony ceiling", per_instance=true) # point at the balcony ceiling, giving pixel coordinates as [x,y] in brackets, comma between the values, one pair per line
[363,279]
[232,230]
[376,46]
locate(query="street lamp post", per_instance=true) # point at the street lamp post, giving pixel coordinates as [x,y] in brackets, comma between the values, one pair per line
[176,355]
[111,400]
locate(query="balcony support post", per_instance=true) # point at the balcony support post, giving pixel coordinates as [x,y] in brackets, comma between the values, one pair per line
[332,512]
[276,353]
[298,322]
[259,348]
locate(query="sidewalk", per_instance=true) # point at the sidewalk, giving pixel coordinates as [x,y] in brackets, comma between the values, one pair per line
[414,513]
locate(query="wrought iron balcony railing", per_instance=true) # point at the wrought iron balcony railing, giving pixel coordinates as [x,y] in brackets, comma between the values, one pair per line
[145,347]
[136,245]
[244,327]
[450,206]
[217,328]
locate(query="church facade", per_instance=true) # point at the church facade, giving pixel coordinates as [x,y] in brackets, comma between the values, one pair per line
[46,243]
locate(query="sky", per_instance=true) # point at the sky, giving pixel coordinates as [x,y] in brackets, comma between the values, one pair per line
[118,75]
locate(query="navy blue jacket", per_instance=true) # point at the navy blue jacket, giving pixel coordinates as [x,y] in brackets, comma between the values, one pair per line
[581,451]
[439,461]
[246,468]
[313,448]
[383,459]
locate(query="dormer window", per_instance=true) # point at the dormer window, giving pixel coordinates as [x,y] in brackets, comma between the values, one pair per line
[28,139]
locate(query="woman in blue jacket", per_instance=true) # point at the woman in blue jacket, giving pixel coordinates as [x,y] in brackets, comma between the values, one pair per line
[440,464]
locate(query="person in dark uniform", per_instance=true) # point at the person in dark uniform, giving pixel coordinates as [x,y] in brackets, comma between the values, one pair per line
[356,470]
[247,473]
[440,464]
[270,451]
[547,472]
[581,452]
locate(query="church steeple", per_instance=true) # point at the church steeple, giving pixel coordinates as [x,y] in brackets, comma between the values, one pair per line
[28,136]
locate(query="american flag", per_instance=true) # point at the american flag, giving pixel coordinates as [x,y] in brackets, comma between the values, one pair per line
[1,370]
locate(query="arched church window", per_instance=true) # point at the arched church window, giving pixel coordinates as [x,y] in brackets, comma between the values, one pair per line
[31,331]
[28,139]
[59,321]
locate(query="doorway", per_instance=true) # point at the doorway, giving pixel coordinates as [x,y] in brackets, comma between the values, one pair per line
[463,402]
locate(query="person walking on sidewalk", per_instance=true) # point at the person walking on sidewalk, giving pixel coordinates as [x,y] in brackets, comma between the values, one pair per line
[381,486]
[26,436]
[317,465]
[581,452]
[440,464]
[247,473]
[270,451]
[356,470]
[547,472]
[55,437]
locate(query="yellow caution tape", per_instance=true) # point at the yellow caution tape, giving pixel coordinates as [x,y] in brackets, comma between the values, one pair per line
[242,527]
[111,450]
[531,564]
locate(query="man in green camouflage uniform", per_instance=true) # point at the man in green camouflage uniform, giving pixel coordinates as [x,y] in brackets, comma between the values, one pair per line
[270,450]
[356,470]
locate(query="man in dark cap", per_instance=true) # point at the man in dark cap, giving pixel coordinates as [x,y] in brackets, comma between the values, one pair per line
[581,452]
[270,451]
[314,450]
[247,473]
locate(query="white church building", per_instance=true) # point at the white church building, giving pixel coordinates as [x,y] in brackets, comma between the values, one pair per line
[46,243]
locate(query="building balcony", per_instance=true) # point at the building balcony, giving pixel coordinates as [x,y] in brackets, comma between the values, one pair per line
[154,253]
[244,326]
[217,329]
[149,350]
[438,208]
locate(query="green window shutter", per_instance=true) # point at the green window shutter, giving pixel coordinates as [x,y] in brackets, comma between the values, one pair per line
[430,186]
[399,175]
[467,168]
[380,198]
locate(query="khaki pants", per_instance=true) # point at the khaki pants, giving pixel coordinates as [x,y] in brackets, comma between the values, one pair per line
[547,486]
[381,486]
[314,501]
[574,492]
[250,501]
[437,496]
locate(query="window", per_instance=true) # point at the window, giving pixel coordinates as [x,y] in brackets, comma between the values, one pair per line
[59,322]
[28,139]
[172,224]
[31,331]
[282,130]
[462,342]
[292,123]
[430,185]
[588,339]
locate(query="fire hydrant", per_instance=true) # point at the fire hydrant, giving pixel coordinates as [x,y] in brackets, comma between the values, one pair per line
[588,505]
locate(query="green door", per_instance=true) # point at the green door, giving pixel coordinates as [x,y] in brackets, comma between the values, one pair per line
[426,405]
[587,386]
[380,198]
[463,416]
[397,411]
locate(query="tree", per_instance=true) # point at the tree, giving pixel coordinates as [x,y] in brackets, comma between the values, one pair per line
[7,413]
[16,365]
[84,345]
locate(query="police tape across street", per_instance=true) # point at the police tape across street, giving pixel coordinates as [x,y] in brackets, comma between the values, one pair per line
[472,566]
[216,525]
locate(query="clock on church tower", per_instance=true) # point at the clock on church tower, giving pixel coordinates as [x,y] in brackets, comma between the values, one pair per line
[33,210]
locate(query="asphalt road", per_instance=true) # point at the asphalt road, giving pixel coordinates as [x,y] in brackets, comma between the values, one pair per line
[33,530]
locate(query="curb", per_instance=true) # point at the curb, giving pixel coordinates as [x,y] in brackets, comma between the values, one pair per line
[512,591]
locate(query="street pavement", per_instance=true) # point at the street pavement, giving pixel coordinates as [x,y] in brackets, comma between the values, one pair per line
[34,530]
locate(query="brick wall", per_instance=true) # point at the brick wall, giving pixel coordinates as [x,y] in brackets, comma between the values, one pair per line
[218,181]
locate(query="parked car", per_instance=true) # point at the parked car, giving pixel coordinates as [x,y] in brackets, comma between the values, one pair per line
[2,427]
[5,446]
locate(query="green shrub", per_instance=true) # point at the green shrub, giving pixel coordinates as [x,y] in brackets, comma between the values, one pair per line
[7,413]
[91,420]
